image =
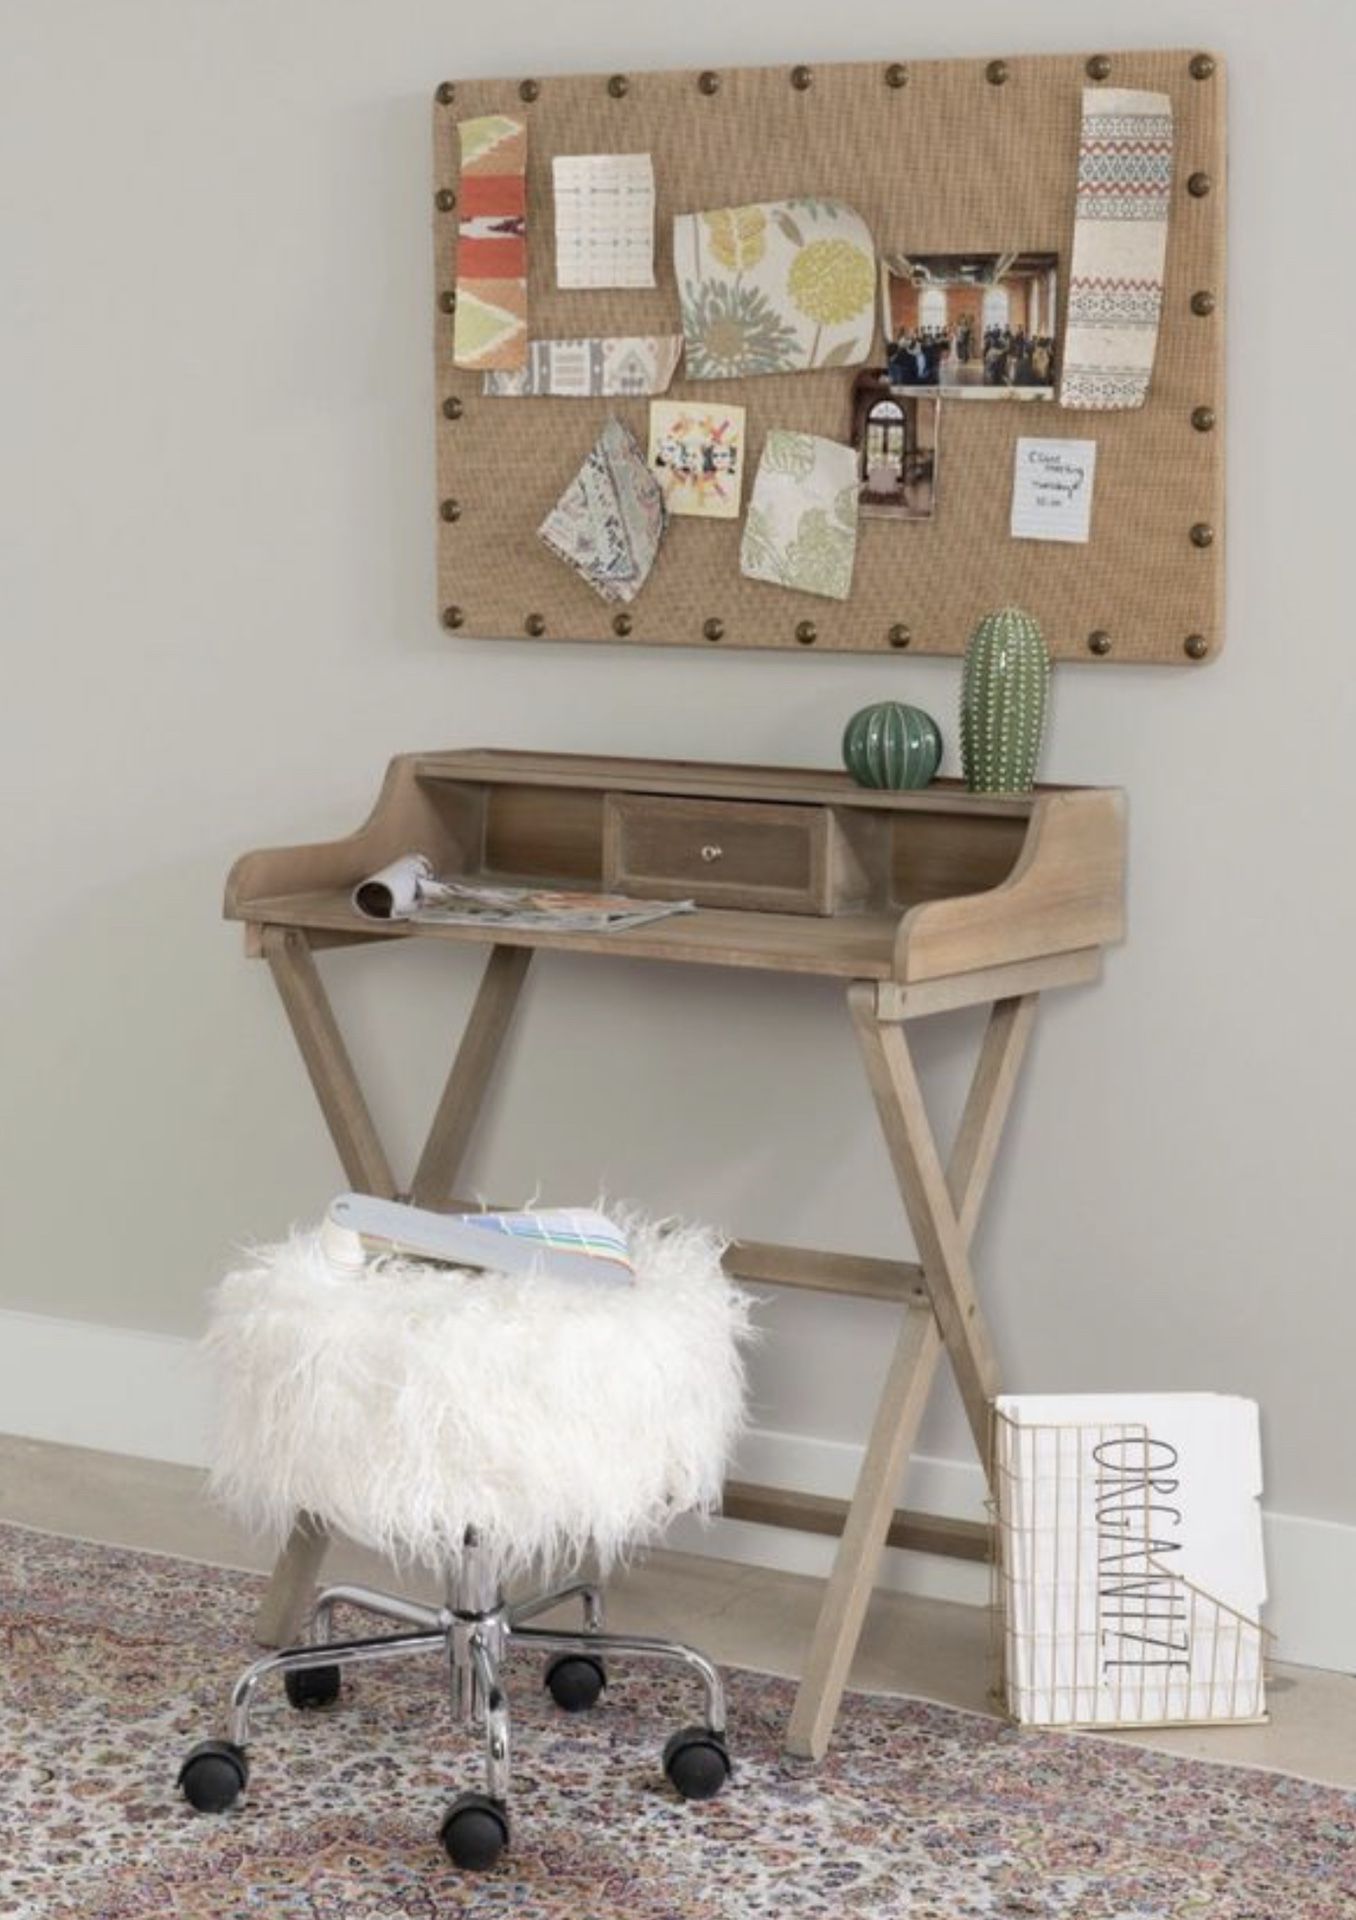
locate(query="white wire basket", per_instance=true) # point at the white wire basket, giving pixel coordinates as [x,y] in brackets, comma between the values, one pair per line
[1097,1629]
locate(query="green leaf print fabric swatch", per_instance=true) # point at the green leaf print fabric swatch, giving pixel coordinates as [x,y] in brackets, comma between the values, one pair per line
[800,530]
[779,288]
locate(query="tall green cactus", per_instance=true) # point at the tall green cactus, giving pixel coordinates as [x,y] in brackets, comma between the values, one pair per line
[1003,698]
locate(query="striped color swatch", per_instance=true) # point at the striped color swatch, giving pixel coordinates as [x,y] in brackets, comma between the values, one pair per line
[490,328]
[1119,246]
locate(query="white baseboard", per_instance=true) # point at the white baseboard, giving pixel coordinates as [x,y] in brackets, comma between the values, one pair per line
[122,1391]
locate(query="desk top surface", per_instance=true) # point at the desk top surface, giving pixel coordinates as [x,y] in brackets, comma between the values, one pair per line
[858,946]
[813,786]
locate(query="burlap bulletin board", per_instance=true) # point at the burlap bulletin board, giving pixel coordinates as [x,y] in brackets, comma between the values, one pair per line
[940,157]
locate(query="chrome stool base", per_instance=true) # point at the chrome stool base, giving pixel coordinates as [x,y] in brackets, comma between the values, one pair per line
[474,1633]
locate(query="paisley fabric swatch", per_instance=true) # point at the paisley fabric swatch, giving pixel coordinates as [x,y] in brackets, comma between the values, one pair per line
[582,369]
[1119,246]
[609,521]
[778,288]
[801,527]
[490,328]
[604,219]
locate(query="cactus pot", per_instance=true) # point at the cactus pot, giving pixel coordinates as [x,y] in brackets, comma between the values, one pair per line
[891,745]
[1004,689]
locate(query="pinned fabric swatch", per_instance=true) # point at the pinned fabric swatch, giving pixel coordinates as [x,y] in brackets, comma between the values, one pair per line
[490,328]
[1120,243]
[697,455]
[778,288]
[801,527]
[609,521]
[582,369]
[604,219]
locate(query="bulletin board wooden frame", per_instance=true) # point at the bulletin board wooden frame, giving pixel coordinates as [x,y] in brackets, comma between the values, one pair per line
[939,157]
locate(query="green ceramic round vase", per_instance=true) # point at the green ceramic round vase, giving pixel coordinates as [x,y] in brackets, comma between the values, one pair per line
[1004,688]
[891,745]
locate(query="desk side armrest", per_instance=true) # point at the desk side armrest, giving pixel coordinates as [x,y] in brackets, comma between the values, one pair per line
[1066,891]
[409,817]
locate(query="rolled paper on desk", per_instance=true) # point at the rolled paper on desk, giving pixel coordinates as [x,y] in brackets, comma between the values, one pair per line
[396,890]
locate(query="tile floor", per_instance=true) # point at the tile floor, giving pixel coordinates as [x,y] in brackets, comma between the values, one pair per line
[745,1615]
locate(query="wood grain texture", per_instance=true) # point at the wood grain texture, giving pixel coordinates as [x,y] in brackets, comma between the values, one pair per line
[819,1513]
[894,1429]
[327,1062]
[942,1211]
[454,1120]
[559,817]
[993,168]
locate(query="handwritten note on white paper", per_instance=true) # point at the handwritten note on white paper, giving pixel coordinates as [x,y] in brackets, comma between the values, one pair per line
[604,219]
[1052,489]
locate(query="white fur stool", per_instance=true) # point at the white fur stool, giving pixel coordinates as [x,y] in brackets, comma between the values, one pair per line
[487,1425]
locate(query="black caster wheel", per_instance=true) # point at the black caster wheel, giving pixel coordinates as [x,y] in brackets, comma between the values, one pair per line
[575,1681]
[214,1775]
[312,1686]
[475,1831]
[697,1762]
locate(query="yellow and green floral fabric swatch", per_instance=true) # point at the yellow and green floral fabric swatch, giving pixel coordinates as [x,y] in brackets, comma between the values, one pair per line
[779,288]
[800,530]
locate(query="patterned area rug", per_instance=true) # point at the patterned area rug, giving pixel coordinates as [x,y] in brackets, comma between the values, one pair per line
[114,1663]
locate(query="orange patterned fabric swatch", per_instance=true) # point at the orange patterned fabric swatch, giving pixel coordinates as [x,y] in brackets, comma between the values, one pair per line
[490,329]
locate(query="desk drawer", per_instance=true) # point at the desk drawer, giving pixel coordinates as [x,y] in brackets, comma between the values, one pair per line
[720,853]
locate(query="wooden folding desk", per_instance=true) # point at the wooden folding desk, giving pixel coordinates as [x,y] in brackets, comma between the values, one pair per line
[920,903]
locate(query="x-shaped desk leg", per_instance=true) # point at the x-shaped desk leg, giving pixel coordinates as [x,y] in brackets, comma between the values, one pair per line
[287,1600]
[942,1207]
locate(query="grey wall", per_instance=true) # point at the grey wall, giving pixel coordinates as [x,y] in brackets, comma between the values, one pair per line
[219,622]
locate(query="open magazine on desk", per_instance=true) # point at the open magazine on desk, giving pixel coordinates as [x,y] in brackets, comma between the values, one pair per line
[409,889]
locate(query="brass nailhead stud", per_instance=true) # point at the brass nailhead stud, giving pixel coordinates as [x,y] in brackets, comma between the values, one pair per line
[447,302]
[1099,642]
[621,624]
[896,74]
[807,633]
[801,78]
[529,90]
[1098,67]
[899,635]
[617,86]
[1195,646]
[1199,185]
[1202,65]
[450,510]
[535,624]
[1202,534]
[1202,303]
[452,408]
[444,199]
[453,616]
[996,72]
[708,82]
[713,629]
[1203,418]
[447,93]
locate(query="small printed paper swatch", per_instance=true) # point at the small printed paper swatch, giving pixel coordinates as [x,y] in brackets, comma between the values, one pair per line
[609,521]
[697,456]
[801,527]
[778,288]
[1052,490]
[583,369]
[604,219]
[490,327]
[1120,243]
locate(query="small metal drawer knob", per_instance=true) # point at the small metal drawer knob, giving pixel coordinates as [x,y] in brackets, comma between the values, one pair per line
[710,853]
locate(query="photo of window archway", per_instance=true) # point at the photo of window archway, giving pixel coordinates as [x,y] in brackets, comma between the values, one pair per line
[983,326]
[894,430]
